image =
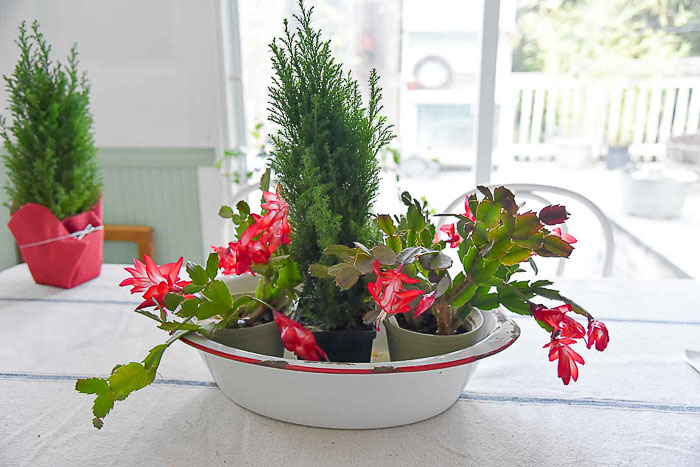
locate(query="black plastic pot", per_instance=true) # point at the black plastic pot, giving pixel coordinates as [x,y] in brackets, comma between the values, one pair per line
[346,346]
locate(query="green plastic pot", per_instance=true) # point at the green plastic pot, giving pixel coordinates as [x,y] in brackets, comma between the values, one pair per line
[408,345]
[262,339]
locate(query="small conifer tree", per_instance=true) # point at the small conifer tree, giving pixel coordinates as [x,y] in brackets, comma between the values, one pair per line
[325,157]
[50,156]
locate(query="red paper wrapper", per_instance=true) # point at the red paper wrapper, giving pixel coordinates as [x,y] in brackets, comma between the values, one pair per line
[54,256]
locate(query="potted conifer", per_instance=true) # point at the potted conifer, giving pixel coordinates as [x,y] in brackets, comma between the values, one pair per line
[325,157]
[53,178]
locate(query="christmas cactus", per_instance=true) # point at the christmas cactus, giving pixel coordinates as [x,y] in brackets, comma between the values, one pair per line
[408,274]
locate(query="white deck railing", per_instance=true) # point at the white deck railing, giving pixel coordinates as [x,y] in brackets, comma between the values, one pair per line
[535,108]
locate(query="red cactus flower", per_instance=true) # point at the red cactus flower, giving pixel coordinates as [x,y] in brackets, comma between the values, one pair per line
[452,238]
[298,339]
[553,215]
[468,212]
[567,369]
[564,236]
[598,335]
[259,240]
[389,292]
[156,281]
[426,301]
[557,319]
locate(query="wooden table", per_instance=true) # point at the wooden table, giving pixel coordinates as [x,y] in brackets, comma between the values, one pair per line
[637,403]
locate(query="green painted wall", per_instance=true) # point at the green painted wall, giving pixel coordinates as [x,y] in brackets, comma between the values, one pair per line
[156,187]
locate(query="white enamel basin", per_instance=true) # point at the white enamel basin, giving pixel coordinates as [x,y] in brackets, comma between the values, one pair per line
[349,395]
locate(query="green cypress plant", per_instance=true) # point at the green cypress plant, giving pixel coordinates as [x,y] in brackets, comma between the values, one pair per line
[325,156]
[50,155]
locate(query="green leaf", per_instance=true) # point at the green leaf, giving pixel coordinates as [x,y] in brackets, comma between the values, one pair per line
[172,301]
[526,225]
[243,208]
[208,309]
[485,191]
[225,212]
[499,248]
[465,295]
[288,275]
[320,271]
[96,422]
[265,180]
[386,224]
[92,386]
[127,379]
[212,265]
[406,198]
[443,285]
[341,251]
[218,293]
[410,254]
[473,203]
[547,293]
[486,301]
[464,227]
[479,235]
[394,242]
[384,254]
[412,238]
[486,270]
[468,258]
[345,275]
[189,307]
[197,273]
[505,198]
[414,219]
[363,263]
[515,255]
[190,289]
[533,265]
[174,325]
[516,305]
[152,360]
[438,261]
[101,407]
[533,242]
[362,248]
[427,236]
[557,246]
[488,213]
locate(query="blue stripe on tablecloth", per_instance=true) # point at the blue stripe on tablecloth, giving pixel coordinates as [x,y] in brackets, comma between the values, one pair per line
[583,402]
[129,302]
[465,396]
[71,300]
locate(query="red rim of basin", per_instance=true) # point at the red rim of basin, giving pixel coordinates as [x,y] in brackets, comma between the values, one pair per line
[503,336]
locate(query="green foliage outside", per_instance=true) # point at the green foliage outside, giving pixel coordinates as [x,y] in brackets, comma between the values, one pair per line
[325,157]
[594,37]
[50,153]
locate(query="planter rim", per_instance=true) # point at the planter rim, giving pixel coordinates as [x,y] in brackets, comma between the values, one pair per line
[502,337]
[476,317]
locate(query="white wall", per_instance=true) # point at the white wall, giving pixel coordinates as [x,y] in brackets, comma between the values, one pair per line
[155,68]
[153,65]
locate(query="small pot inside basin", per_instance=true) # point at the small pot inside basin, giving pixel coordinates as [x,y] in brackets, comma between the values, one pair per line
[262,339]
[408,345]
[354,346]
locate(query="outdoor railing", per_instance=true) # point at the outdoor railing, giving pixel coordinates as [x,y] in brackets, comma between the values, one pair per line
[640,113]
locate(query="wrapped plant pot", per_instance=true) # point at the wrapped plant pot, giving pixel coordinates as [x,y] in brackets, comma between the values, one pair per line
[59,253]
[53,177]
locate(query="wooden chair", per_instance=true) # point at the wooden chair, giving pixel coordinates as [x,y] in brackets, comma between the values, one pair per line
[142,235]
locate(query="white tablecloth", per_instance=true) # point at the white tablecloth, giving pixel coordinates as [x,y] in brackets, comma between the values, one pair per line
[637,403]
